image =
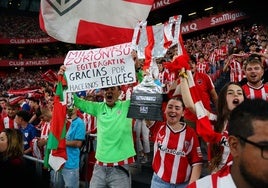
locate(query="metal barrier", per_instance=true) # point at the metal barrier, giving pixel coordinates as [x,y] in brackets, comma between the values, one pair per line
[41,175]
[39,163]
[84,182]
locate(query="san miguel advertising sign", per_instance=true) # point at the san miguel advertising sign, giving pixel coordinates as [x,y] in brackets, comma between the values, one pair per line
[213,21]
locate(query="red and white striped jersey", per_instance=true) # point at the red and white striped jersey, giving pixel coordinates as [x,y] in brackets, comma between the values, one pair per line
[218,53]
[236,71]
[39,152]
[265,61]
[213,58]
[45,126]
[90,122]
[202,67]
[175,153]
[9,123]
[172,77]
[226,155]
[252,93]
[221,53]
[220,179]
[164,78]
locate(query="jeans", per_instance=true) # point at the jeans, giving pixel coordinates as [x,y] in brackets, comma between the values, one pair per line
[142,130]
[68,178]
[112,177]
[157,182]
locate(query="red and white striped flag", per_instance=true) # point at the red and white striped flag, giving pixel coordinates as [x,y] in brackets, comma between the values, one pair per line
[204,127]
[99,23]
[154,41]
[23,91]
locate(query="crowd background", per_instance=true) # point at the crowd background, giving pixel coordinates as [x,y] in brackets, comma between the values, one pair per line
[214,45]
[208,44]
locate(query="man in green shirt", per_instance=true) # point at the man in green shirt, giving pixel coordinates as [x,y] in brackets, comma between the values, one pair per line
[115,146]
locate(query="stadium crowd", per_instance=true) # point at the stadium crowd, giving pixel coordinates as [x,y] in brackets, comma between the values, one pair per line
[212,46]
[214,52]
[25,27]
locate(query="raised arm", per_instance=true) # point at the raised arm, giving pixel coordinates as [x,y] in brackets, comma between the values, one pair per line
[185,92]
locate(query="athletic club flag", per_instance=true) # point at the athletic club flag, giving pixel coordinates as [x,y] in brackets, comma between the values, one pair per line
[55,155]
[99,23]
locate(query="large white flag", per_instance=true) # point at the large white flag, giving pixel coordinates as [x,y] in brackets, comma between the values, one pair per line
[100,23]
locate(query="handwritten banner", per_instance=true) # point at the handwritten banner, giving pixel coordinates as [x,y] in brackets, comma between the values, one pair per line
[99,68]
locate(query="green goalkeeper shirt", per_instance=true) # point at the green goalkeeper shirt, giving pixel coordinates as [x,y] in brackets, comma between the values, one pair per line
[114,129]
